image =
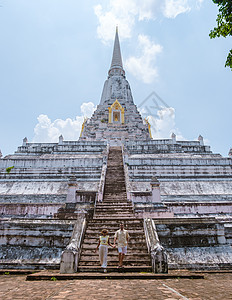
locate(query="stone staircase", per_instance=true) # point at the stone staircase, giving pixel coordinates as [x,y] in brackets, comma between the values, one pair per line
[109,214]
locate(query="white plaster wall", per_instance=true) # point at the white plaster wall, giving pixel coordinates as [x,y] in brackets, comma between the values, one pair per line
[200,208]
[33,187]
[42,187]
[138,171]
[53,161]
[196,188]
[185,187]
[29,209]
[178,159]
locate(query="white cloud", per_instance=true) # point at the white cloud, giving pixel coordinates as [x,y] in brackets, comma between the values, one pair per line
[164,124]
[172,8]
[125,13]
[87,109]
[108,19]
[143,67]
[48,131]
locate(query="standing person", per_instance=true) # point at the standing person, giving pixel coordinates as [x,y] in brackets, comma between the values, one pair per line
[122,237]
[103,244]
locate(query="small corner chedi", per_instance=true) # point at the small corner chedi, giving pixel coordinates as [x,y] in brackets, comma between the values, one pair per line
[174,197]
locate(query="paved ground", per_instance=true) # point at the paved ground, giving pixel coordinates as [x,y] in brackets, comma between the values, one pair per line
[214,286]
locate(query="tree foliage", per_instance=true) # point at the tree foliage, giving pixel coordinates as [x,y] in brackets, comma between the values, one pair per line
[224,25]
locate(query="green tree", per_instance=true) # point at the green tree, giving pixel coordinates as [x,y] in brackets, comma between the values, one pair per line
[224,25]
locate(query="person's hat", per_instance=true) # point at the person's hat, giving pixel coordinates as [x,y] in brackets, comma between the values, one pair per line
[104,231]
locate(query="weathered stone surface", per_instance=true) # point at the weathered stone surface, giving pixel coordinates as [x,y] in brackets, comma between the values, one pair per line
[194,185]
[193,181]
[29,210]
[195,243]
[33,188]
[157,251]
[70,256]
[33,243]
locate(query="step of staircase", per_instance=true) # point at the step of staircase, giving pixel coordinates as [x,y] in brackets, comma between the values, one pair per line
[113,214]
[113,210]
[116,217]
[114,195]
[109,220]
[114,262]
[117,205]
[110,226]
[115,202]
[137,251]
[95,233]
[113,255]
[96,273]
[127,269]
[132,238]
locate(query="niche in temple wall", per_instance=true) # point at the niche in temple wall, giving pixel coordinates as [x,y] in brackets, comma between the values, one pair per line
[116,113]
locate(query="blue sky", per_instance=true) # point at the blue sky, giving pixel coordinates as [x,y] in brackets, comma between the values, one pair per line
[55,55]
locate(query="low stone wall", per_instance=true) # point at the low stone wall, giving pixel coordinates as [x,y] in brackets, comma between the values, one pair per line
[41,188]
[51,162]
[9,210]
[32,199]
[191,234]
[164,146]
[200,258]
[200,208]
[62,147]
[206,187]
[88,197]
[146,172]
[194,243]
[33,243]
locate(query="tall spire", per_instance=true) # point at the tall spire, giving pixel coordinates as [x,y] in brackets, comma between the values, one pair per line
[117,58]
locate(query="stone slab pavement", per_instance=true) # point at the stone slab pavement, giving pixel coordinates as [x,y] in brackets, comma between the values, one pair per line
[214,286]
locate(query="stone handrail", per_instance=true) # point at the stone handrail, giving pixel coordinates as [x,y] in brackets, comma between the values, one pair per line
[102,182]
[71,255]
[156,250]
[126,173]
[103,177]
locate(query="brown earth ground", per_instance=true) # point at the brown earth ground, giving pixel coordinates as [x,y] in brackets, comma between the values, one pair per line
[214,286]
